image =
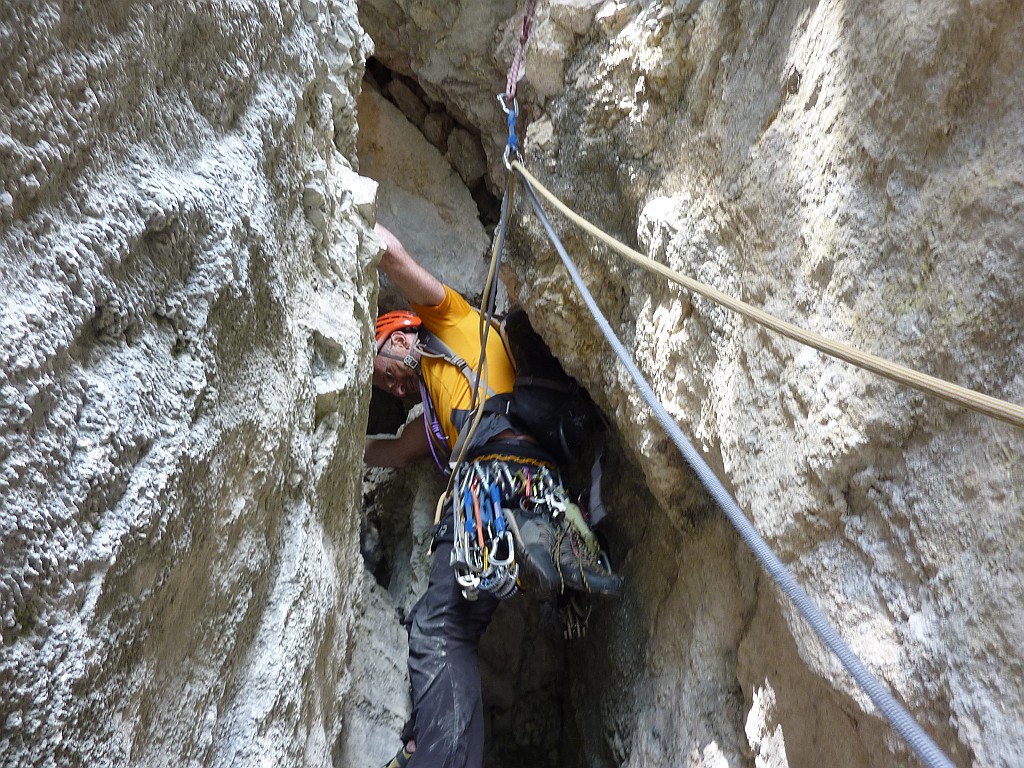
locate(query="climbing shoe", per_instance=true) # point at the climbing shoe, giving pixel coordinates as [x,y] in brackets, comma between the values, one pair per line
[400,760]
[582,567]
[559,557]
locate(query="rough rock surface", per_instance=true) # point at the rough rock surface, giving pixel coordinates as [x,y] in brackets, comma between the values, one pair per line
[459,53]
[189,292]
[854,171]
[851,169]
[420,198]
[189,285]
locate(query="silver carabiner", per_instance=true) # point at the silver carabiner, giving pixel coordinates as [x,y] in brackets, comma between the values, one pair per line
[504,104]
[507,555]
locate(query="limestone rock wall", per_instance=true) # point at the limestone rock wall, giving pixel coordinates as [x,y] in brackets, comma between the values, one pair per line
[850,168]
[188,288]
[420,198]
[452,51]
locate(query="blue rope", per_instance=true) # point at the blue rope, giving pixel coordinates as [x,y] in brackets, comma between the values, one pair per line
[901,720]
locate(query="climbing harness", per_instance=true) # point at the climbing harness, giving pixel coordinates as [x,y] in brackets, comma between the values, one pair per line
[492,493]
[975,401]
[922,744]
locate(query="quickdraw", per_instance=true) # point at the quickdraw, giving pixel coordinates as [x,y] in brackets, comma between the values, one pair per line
[483,556]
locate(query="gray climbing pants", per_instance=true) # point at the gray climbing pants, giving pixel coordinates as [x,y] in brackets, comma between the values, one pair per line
[447,703]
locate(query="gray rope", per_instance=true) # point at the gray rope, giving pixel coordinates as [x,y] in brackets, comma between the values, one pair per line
[901,720]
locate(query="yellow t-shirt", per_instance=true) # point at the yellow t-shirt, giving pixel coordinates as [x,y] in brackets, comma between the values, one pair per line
[457,324]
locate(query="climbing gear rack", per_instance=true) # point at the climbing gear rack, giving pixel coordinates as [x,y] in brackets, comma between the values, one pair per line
[483,555]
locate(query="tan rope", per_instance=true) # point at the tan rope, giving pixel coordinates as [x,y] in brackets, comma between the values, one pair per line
[968,398]
[481,393]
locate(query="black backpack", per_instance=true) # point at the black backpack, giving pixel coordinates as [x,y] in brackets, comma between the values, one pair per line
[547,403]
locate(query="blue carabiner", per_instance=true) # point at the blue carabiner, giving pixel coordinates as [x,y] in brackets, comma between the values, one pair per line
[485,508]
[512,147]
[513,143]
[499,518]
[467,506]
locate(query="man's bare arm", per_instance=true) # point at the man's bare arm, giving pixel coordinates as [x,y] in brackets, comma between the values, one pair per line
[415,283]
[400,451]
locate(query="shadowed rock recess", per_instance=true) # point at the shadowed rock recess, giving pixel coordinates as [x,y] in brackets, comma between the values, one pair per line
[195,567]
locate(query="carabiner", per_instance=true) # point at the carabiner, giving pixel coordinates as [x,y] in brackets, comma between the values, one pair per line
[503,551]
[512,146]
[499,519]
[502,99]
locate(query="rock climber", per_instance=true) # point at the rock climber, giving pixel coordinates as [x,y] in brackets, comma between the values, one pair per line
[506,469]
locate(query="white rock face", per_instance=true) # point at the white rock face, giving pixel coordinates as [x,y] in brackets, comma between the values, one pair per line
[189,288]
[856,173]
[421,199]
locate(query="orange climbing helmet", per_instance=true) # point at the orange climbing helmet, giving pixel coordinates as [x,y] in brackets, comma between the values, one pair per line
[399,320]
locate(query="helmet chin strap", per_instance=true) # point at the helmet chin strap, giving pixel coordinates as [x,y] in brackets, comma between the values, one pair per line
[410,359]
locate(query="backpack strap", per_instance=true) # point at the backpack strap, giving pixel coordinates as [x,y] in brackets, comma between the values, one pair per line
[434,347]
[569,387]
